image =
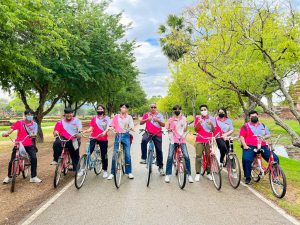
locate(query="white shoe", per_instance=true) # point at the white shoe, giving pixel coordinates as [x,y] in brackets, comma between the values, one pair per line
[143,161]
[110,177]
[80,173]
[208,176]
[130,176]
[161,171]
[191,179]
[6,180]
[105,174]
[167,179]
[234,175]
[53,163]
[35,180]
[197,177]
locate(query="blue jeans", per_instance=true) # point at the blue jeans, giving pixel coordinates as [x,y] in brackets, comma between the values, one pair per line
[170,159]
[125,139]
[248,158]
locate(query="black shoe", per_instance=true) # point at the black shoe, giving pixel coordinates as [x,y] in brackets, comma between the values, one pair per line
[248,181]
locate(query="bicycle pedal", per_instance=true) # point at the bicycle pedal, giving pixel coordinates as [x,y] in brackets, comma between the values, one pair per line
[127,165]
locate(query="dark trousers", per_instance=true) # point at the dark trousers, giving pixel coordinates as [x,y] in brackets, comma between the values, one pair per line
[103,146]
[57,149]
[32,153]
[223,147]
[158,148]
[248,158]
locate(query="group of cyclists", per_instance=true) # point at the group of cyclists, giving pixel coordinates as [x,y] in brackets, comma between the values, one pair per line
[205,125]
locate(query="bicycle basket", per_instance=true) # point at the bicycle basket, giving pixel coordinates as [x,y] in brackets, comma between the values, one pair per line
[22,152]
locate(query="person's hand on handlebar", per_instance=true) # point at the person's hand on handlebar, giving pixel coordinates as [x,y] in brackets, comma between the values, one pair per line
[5,135]
[55,133]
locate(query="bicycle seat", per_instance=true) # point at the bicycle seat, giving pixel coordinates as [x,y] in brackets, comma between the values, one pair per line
[258,151]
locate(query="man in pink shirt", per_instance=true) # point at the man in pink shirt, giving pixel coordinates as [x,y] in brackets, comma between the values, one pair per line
[154,123]
[25,127]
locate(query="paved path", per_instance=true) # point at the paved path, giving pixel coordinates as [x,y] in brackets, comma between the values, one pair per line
[99,202]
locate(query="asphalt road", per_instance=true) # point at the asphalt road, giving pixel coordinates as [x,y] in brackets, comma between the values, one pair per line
[100,202]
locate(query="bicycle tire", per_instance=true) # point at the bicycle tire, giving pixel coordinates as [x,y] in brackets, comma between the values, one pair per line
[216,172]
[202,171]
[58,171]
[149,169]
[123,161]
[98,162]
[117,170]
[277,168]
[254,173]
[182,173]
[26,165]
[67,164]
[233,164]
[82,166]
[13,180]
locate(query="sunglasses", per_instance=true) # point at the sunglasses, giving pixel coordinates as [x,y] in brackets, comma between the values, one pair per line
[153,107]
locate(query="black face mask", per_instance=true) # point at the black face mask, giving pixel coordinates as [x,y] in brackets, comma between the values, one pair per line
[100,112]
[221,115]
[254,119]
[177,113]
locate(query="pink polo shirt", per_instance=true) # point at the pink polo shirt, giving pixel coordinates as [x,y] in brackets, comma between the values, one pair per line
[252,130]
[121,124]
[204,129]
[19,125]
[100,126]
[68,128]
[151,126]
[178,126]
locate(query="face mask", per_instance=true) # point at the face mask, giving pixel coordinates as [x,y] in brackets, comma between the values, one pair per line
[204,113]
[29,117]
[221,115]
[254,119]
[177,113]
[100,112]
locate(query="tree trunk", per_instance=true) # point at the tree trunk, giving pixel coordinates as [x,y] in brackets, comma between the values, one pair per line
[194,108]
[40,135]
[109,107]
[185,107]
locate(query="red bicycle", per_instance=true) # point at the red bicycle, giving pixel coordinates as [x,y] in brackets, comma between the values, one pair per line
[211,162]
[21,163]
[276,174]
[64,161]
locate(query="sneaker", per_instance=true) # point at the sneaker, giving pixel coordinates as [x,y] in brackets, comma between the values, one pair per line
[167,179]
[53,163]
[130,176]
[143,161]
[110,177]
[208,176]
[105,174]
[234,175]
[191,179]
[6,180]
[161,171]
[80,173]
[35,180]
[197,177]
[248,180]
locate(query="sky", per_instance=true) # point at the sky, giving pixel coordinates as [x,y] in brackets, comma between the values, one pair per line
[146,16]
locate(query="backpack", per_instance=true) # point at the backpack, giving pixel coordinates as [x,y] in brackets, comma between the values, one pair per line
[244,126]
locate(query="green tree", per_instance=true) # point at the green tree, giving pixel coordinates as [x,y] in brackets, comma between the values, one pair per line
[91,112]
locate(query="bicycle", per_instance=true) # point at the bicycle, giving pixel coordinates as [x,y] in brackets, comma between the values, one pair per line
[150,155]
[21,163]
[86,163]
[211,161]
[233,164]
[119,161]
[179,161]
[276,174]
[63,162]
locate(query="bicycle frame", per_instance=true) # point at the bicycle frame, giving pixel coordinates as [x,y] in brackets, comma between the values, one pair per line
[178,153]
[88,152]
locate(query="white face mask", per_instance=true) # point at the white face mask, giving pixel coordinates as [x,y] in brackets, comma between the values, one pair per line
[204,113]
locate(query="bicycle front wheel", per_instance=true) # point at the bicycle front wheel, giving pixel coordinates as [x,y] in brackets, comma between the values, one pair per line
[118,169]
[58,171]
[67,163]
[26,165]
[202,167]
[216,173]
[277,181]
[181,173]
[149,163]
[81,171]
[14,175]
[234,170]
[98,162]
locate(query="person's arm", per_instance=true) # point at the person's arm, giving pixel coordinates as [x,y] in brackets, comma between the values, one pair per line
[197,122]
[245,146]
[268,134]
[144,120]
[7,133]
[131,124]
[88,130]
[231,129]
[161,122]
[212,126]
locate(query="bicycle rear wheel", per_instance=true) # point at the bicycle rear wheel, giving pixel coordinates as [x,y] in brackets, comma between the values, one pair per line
[98,162]
[181,173]
[14,175]
[58,171]
[216,173]
[81,171]
[234,170]
[278,181]
[26,165]
[118,169]
[149,163]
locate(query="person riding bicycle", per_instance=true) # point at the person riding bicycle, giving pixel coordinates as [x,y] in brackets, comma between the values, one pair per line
[248,139]
[205,126]
[225,128]
[179,125]
[66,128]
[122,123]
[100,125]
[25,127]
[154,123]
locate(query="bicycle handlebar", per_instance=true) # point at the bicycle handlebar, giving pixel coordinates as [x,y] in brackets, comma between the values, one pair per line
[14,141]
[217,135]
[67,139]
[179,138]
[264,140]
[144,130]
[127,131]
